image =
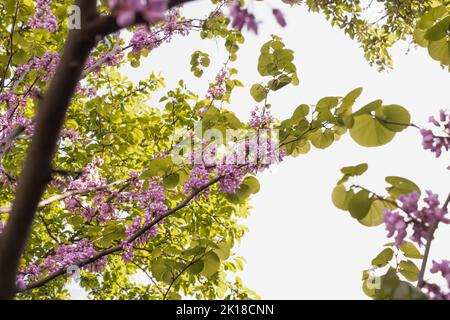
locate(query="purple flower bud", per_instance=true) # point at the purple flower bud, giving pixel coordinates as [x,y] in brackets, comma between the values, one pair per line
[279,17]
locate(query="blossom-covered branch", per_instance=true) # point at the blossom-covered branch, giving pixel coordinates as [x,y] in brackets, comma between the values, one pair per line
[69,194]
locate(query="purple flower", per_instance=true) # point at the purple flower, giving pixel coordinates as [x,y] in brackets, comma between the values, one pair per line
[279,17]
[199,177]
[43,17]
[436,143]
[421,220]
[218,89]
[232,177]
[260,120]
[125,10]
[409,201]
[152,10]
[443,268]
[395,223]
[143,38]
[241,17]
[238,16]
[252,25]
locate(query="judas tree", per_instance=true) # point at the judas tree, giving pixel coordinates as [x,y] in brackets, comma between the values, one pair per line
[98,178]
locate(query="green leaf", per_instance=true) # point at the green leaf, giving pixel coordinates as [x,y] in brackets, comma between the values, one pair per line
[321,140]
[383,258]
[373,106]
[300,112]
[258,92]
[394,117]
[392,288]
[369,291]
[355,170]
[211,264]
[252,183]
[353,95]
[196,268]
[108,139]
[360,204]
[327,103]
[71,124]
[341,197]
[223,252]
[409,270]
[375,215]
[265,64]
[173,296]
[249,186]
[440,51]
[157,167]
[349,101]
[196,251]
[280,82]
[171,181]
[159,268]
[400,186]
[349,121]
[439,30]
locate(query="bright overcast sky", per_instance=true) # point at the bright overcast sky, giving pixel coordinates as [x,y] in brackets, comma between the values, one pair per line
[299,245]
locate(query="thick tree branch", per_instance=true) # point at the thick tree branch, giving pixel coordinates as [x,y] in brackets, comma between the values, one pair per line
[37,167]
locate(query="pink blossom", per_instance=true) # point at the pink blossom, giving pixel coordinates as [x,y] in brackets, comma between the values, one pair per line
[443,267]
[241,17]
[421,219]
[43,17]
[64,256]
[232,177]
[154,10]
[436,143]
[260,120]
[144,38]
[395,223]
[126,10]
[199,177]
[218,89]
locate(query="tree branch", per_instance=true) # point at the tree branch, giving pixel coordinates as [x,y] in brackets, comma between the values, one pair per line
[191,263]
[37,167]
[430,237]
[130,239]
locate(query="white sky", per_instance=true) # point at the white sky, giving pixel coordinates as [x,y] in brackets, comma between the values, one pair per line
[299,245]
